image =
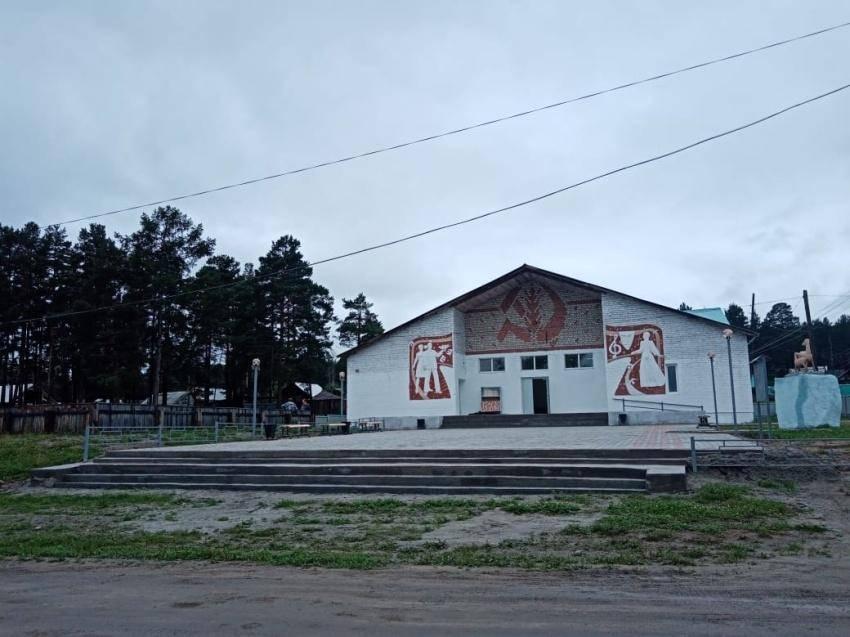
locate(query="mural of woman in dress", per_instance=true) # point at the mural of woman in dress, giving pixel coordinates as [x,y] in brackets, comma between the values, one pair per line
[649,372]
[642,360]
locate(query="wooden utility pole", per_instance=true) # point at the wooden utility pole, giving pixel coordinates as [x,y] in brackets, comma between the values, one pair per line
[809,327]
[753,313]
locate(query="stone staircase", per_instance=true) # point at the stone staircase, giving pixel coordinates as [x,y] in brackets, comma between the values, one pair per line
[379,471]
[475,421]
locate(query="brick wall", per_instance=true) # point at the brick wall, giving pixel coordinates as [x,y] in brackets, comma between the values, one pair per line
[535,315]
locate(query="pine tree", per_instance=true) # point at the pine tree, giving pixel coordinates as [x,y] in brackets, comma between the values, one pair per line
[735,315]
[360,324]
[160,256]
[296,312]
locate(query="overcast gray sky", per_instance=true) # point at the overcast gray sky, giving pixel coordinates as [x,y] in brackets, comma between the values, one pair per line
[108,104]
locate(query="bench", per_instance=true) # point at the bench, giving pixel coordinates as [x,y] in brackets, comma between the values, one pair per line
[370,425]
[335,427]
[295,430]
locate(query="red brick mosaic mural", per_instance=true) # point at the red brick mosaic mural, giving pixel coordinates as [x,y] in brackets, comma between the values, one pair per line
[535,316]
[431,367]
[641,349]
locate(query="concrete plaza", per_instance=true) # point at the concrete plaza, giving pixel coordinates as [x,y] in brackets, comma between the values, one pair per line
[666,437]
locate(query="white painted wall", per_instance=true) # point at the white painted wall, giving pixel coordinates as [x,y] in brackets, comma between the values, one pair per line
[570,390]
[687,342]
[377,376]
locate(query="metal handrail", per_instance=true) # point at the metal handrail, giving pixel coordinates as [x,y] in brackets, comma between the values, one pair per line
[658,405]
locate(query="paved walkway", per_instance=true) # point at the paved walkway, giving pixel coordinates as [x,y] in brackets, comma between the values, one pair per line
[634,437]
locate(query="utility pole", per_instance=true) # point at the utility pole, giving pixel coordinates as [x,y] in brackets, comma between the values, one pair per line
[157,365]
[753,313]
[809,327]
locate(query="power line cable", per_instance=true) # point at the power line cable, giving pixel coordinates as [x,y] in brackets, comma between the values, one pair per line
[832,307]
[456,131]
[467,220]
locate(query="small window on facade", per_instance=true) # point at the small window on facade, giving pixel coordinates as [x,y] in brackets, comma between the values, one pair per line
[672,379]
[535,362]
[576,361]
[491,364]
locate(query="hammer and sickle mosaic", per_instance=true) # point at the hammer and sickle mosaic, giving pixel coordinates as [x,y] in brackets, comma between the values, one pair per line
[533,314]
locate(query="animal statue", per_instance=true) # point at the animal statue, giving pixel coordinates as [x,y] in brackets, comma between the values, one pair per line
[804,360]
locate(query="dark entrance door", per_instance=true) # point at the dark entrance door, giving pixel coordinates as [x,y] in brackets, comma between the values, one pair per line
[540,395]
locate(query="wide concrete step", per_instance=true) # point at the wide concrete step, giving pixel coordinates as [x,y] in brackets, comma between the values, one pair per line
[426,469]
[486,421]
[343,488]
[369,455]
[609,484]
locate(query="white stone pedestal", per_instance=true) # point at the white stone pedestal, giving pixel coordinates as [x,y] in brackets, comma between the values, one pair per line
[804,401]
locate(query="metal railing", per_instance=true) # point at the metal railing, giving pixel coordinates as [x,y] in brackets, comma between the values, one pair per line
[783,454]
[719,445]
[658,405]
[100,438]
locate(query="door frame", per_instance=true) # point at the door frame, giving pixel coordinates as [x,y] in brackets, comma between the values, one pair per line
[531,380]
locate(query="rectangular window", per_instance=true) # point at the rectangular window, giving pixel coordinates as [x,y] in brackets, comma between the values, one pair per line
[672,379]
[491,364]
[534,362]
[576,361]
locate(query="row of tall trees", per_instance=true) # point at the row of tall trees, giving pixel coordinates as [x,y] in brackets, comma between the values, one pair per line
[780,334]
[133,316]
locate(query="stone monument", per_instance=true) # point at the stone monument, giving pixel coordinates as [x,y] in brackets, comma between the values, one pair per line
[806,398]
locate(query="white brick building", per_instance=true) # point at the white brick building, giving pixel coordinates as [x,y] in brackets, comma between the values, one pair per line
[536,342]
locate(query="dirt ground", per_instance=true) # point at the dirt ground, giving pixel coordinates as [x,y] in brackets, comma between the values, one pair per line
[791,596]
[807,593]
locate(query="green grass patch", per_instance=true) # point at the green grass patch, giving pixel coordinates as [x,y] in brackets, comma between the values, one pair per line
[81,504]
[288,504]
[816,433]
[377,505]
[62,543]
[713,509]
[719,523]
[21,453]
[774,484]
[544,506]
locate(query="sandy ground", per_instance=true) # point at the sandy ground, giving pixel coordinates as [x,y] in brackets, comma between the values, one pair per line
[494,526]
[806,594]
[783,597]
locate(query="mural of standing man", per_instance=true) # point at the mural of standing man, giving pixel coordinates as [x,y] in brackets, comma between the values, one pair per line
[431,370]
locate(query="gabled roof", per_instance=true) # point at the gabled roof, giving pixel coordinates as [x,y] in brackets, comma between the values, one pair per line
[526,269]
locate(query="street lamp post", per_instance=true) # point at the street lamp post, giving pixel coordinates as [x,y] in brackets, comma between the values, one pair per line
[727,334]
[342,395]
[711,356]
[255,365]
